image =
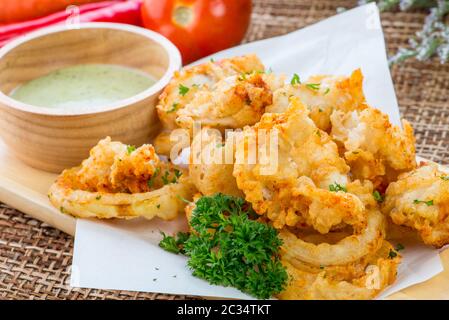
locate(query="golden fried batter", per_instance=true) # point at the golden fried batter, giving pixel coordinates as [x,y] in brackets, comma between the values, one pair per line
[307,165]
[190,80]
[361,279]
[209,168]
[372,146]
[420,200]
[120,181]
[322,95]
[233,102]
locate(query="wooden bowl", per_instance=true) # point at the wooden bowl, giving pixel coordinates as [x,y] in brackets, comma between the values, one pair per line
[53,139]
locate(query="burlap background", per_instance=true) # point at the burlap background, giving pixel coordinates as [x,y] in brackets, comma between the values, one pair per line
[35,259]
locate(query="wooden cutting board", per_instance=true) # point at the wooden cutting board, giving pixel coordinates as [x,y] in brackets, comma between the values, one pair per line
[25,189]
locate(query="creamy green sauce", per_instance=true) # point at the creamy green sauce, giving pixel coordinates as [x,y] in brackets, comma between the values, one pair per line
[83,86]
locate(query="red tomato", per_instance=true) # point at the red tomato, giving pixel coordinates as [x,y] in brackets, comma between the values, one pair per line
[198,27]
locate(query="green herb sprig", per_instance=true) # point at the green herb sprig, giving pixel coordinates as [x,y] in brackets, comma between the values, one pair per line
[227,248]
[337,187]
[432,40]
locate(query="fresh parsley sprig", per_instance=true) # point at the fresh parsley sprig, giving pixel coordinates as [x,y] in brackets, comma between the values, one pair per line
[227,248]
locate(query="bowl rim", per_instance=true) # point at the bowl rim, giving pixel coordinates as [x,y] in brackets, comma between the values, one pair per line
[174,64]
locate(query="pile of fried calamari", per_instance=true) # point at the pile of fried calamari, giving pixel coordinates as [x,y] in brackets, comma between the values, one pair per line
[344,175]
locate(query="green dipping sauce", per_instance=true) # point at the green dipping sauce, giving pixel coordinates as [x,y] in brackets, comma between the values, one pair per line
[83,86]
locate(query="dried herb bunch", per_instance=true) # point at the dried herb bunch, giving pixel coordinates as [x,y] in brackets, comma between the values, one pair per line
[433,39]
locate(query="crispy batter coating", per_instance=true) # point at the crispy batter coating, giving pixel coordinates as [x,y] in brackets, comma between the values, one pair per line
[233,102]
[420,200]
[212,164]
[120,181]
[307,164]
[372,146]
[200,78]
[322,95]
[351,248]
[362,279]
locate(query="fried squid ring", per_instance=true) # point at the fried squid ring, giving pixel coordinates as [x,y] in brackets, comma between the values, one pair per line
[347,250]
[419,199]
[295,186]
[364,279]
[120,181]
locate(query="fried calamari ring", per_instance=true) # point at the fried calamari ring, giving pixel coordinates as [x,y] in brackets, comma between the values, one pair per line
[347,250]
[120,181]
[372,146]
[233,102]
[212,163]
[363,279]
[190,80]
[419,199]
[322,95]
[306,156]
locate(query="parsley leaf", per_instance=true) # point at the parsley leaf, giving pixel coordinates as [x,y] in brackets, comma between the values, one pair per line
[227,248]
[172,244]
[428,203]
[130,149]
[174,107]
[150,182]
[295,79]
[313,86]
[337,187]
[327,91]
[377,196]
[165,178]
[445,178]
[399,247]
[183,90]
[392,254]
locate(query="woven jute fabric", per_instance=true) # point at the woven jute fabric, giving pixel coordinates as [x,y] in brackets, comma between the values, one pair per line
[35,259]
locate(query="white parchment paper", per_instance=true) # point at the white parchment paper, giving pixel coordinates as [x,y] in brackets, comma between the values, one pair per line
[125,254]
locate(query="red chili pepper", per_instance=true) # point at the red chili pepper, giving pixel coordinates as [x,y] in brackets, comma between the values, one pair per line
[108,11]
[22,27]
[122,12]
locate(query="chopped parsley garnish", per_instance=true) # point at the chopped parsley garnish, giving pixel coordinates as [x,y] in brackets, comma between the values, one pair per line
[227,248]
[212,60]
[183,90]
[220,145]
[165,178]
[337,187]
[178,173]
[313,86]
[174,107]
[318,133]
[428,203]
[242,77]
[172,244]
[158,206]
[150,182]
[392,254]
[130,149]
[377,196]
[98,197]
[445,178]
[399,247]
[295,79]
[327,91]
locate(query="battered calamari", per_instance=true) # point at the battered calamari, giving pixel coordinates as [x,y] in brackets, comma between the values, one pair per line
[322,95]
[420,200]
[120,181]
[372,146]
